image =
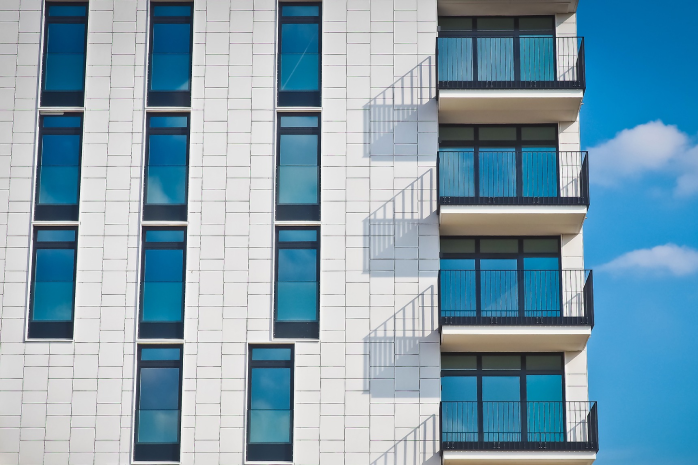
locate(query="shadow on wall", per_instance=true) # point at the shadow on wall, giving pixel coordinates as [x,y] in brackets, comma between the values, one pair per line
[419,447]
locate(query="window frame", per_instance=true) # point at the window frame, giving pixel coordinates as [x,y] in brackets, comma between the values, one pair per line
[63,98]
[516,32]
[154,452]
[296,329]
[298,212]
[169,98]
[162,330]
[57,212]
[519,256]
[299,98]
[51,329]
[283,452]
[166,212]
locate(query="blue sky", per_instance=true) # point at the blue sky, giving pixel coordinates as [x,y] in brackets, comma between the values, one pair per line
[641,235]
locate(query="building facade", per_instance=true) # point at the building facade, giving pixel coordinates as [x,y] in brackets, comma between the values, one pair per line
[259,231]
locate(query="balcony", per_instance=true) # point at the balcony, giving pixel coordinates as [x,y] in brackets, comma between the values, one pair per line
[505,7]
[515,310]
[524,193]
[495,433]
[509,79]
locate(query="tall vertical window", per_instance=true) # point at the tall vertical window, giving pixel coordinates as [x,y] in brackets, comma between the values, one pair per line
[270,404]
[58,171]
[65,42]
[52,297]
[158,403]
[298,167]
[169,72]
[162,283]
[300,55]
[297,294]
[167,161]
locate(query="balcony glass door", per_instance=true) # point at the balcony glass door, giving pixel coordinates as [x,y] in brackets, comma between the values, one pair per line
[499,287]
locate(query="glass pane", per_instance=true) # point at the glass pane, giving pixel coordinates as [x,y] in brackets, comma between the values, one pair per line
[539,171]
[456,133]
[299,121]
[457,264]
[457,245]
[55,235]
[495,59]
[537,56]
[158,426]
[171,57]
[497,172]
[457,173]
[458,362]
[299,57]
[266,353]
[297,265]
[168,121]
[501,408]
[545,407]
[447,23]
[60,150]
[455,60]
[166,185]
[502,362]
[544,362]
[539,133]
[458,289]
[171,10]
[164,265]
[297,10]
[298,185]
[164,236]
[499,246]
[162,302]
[61,121]
[536,24]
[270,388]
[459,388]
[58,185]
[297,235]
[270,426]
[542,288]
[160,353]
[167,150]
[55,264]
[296,301]
[65,10]
[159,389]
[541,263]
[495,24]
[545,388]
[65,59]
[298,149]
[496,133]
[53,301]
[541,246]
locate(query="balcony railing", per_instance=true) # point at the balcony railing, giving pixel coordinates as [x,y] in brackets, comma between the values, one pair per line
[470,177]
[516,298]
[465,61]
[519,426]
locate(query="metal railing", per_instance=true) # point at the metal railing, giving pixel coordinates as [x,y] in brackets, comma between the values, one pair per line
[467,61]
[516,297]
[479,177]
[519,426]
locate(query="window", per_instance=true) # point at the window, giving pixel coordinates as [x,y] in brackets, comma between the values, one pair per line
[169,72]
[158,403]
[167,161]
[58,171]
[493,162]
[52,298]
[485,398]
[298,167]
[63,83]
[297,294]
[162,283]
[299,57]
[270,404]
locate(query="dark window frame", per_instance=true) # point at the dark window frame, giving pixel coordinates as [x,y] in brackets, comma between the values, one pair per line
[52,329]
[153,452]
[300,98]
[516,32]
[166,212]
[296,329]
[58,212]
[519,255]
[170,98]
[267,451]
[162,330]
[298,212]
[63,98]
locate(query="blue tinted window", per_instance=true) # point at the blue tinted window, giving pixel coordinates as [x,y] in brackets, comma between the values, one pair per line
[163,285]
[167,169]
[299,121]
[300,62]
[66,10]
[161,353]
[298,169]
[59,170]
[65,57]
[55,235]
[271,354]
[164,236]
[171,10]
[168,121]
[297,235]
[170,57]
[297,10]
[62,121]
[297,276]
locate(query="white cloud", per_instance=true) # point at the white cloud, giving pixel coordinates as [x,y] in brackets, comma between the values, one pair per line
[650,147]
[671,258]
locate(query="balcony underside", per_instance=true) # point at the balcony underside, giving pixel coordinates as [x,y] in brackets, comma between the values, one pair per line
[507,106]
[514,339]
[511,220]
[509,458]
[505,7]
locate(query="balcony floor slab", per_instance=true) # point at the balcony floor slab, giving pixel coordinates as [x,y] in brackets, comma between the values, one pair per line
[505,7]
[518,458]
[514,338]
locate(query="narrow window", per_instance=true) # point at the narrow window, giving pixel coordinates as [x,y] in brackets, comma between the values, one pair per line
[300,58]
[162,283]
[158,403]
[58,171]
[63,83]
[52,297]
[298,167]
[169,73]
[270,404]
[297,283]
[167,161]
